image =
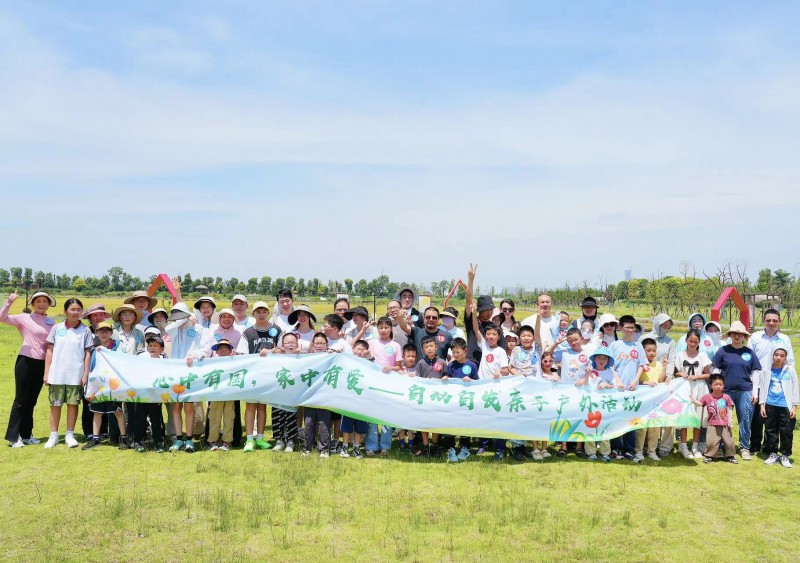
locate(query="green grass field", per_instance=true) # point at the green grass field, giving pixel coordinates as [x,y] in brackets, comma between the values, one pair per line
[105,504]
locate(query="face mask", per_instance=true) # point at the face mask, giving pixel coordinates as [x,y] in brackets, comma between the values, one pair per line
[160,324]
[662,332]
[587,334]
[448,322]
[716,337]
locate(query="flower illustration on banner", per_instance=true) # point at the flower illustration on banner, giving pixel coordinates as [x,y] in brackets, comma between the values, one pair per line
[672,406]
[165,397]
[131,393]
[178,388]
[90,398]
[113,383]
[593,419]
[636,421]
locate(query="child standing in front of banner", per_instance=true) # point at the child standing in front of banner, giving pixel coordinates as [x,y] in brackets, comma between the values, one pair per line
[601,378]
[388,355]
[221,413]
[718,405]
[693,365]
[141,413]
[654,373]
[66,369]
[629,362]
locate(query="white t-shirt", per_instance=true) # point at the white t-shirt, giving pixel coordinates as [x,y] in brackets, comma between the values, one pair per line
[492,360]
[304,339]
[340,345]
[69,351]
[241,326]
[548,328]
[282,321]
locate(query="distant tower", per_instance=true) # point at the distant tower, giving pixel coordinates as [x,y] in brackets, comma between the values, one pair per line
[628,274]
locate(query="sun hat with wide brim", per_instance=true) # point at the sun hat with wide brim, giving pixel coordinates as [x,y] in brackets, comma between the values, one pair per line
[42,294]
[96,308]
[205,299]
[356,311]
[305,309]
[736,328]
[402,289]
[179,312]
[606,318]
[602,351]
[222,342]
[156,310]
[136,294]
[589,301]
[122,308]
[449,312]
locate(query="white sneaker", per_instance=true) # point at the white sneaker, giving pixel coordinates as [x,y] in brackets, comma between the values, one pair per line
[537,455]
[31,441]
[18,444]
[279,445]
[70,441]
[653,456]
[785,462]
[772,459]
[684,450]
[745,455]
[52,442]
[638,458]
[289,447]
[546,454]
[696,452]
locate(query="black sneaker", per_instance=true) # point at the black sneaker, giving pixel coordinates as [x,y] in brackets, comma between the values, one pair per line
[629,456]
[161,447]
[138,446]
[123,443]
[707,459]
[357,453]
[91,444]
[518,454]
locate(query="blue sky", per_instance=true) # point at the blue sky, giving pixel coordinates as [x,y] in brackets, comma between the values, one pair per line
[549,143]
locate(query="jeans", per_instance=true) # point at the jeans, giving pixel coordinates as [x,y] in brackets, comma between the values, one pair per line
[743,404]
[377,441]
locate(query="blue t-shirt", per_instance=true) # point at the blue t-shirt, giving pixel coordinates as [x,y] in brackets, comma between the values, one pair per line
[775,395]
[573,364]
[628,356]
[736,365]
[457,370]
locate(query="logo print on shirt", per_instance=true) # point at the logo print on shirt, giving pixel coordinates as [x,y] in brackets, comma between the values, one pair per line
[48,322]
[437,367]
[273,331]
[490,358]
[466,370]
[706,343]
[440,338]
[634,354]
[582,359]
[595,375]
[62,332]
[388,349]
[746,356]
[217,337]
[605,344]
[191,333]
[415,318]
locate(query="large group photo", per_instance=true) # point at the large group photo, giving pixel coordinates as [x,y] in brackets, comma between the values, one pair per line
[399,282]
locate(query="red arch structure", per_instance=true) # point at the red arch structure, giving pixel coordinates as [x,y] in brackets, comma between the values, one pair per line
[732,294]
[166,281]
[452,291]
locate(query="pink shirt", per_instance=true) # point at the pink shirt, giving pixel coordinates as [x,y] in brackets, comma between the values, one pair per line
[231,335]
[34,329]
[387,353]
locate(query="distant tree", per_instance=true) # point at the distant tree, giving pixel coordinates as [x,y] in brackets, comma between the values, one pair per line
[78,284]
[16,276]
[5,276]
[265,285]
[348,285]
[301,287]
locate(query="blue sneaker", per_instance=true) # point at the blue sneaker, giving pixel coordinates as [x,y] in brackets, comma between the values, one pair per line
[451,455]
[189,447]
[463,454]
[177,445]
[606,458]
[593,457]
[628,456]
[498,455]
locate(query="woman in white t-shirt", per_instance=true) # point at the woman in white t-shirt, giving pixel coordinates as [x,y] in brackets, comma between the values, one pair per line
[66,369]
[301,318]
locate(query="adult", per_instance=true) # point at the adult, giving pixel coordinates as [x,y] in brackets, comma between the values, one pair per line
[665,348]
[394,311]
[549,324]
[143,302]
[340,307]
[696,321]
[205,311]
[449,317]
[302,318]
[588,313]
[408,299]
[607,331]
[430,328]
[96,314]
[285,307]
[485,308]
[764,343]
[505,319]
[740,367]
[34,328]
[362,328]
[242,321]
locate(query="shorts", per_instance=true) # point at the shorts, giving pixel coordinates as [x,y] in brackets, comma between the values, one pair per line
[64,395]
[105,407]
[335,416]
[351,424]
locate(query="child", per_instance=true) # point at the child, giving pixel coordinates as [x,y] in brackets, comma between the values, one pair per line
[602,377]
[563,323]
[512,340]
[466,370]
[66,369]
[718,406]
[779,399]
[431,366]
[141,412]
[547,368]
[652,374]
[524,360]
[388,355]
[130,340]
[284,423]
[409,368]
[362,328]
[103,333]
[573,359]
[361,349]
[588,340]
[693,365]
[629,362]
[332,327]
[494,364]
[220,413]
[448,318]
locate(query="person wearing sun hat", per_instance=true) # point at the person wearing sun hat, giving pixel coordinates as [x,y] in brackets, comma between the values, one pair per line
[301,318]
[362,329]
[143,302]
[34,328]
[741,369]
[601,376]
[205,310]
[448,317]
[129,338]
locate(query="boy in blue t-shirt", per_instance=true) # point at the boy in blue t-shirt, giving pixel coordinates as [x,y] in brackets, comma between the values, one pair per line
[629,361]
[465,370]
[779,399]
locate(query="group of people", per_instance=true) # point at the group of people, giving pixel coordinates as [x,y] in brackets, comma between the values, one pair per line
[599,351]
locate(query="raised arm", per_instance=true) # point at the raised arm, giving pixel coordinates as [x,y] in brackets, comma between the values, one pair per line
[5,318]
[473,268]
[176,281]
[476,328]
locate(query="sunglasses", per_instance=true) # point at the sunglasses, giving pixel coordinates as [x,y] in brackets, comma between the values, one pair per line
[507,310]
[431,318]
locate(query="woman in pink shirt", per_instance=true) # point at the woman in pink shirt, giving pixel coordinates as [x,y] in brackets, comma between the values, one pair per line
[29,369]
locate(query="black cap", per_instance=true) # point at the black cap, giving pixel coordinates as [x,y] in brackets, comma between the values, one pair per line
[485,303]
[589,301]
[356,311]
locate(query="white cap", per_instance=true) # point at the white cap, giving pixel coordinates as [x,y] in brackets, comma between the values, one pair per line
[239,297]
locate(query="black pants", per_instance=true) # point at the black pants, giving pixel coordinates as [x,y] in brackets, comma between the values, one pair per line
[138,413]
[317,418]
[237,424]
[87,418]
[756,429]
[28,379]
[284,425]
[778,426]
